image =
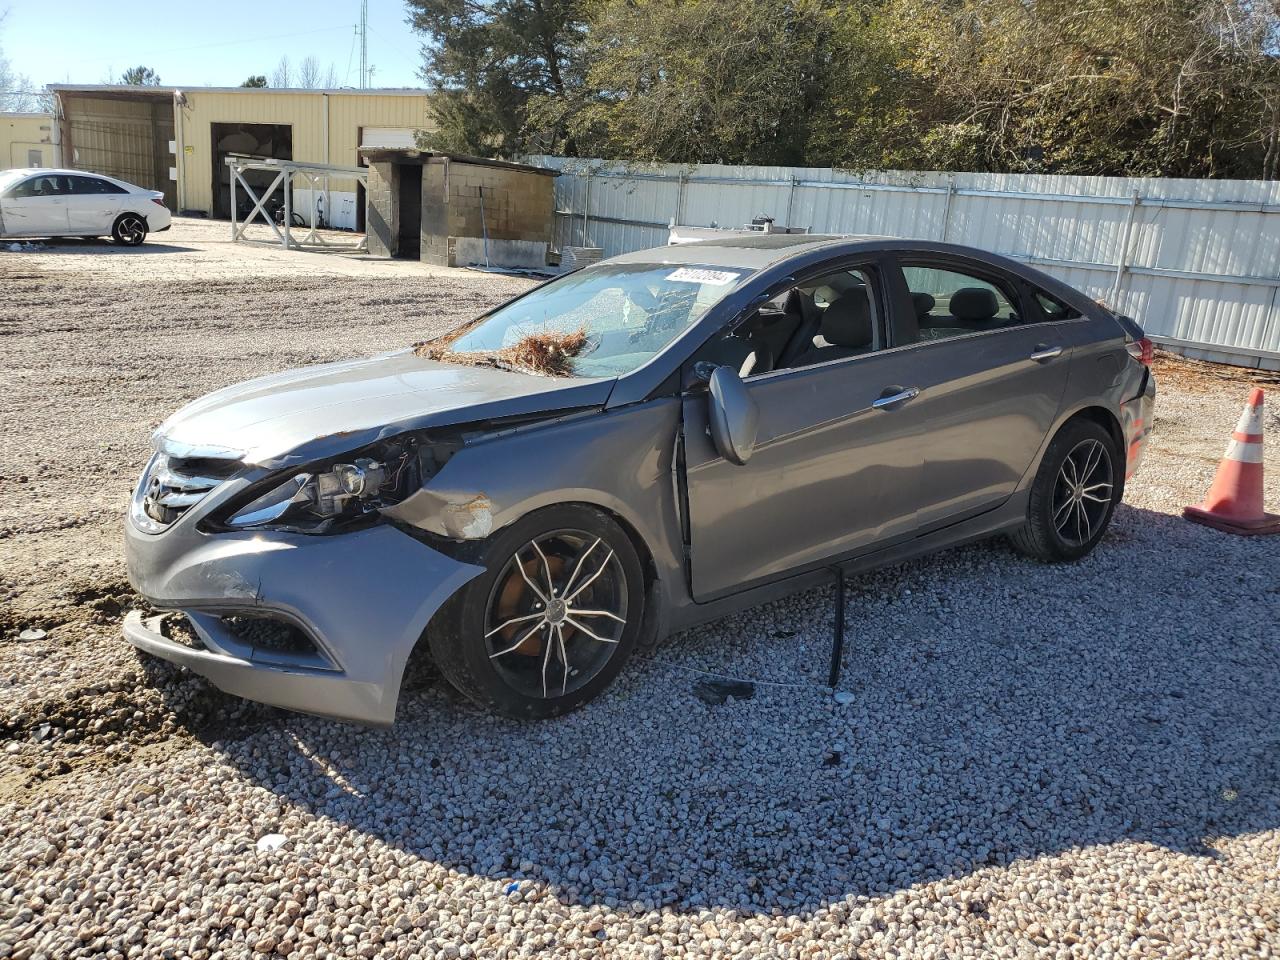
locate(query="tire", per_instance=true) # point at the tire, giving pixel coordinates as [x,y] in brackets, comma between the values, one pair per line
[498,643]
[1067,514]
[130,230]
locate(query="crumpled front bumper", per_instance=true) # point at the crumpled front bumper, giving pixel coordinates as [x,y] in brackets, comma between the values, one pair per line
[363,598]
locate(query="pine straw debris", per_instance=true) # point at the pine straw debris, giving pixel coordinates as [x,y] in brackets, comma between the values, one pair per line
[549,353]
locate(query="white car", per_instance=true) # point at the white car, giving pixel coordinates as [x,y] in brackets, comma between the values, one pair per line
[61,203]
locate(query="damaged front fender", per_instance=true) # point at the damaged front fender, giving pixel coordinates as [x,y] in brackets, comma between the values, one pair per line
[457,515]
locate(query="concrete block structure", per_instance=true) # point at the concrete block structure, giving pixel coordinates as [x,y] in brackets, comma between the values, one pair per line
[421,204]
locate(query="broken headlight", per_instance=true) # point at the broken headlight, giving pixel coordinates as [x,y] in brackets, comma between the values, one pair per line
[334,495]
[345,490]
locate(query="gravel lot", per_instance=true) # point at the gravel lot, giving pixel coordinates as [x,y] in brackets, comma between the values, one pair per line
[1047,761]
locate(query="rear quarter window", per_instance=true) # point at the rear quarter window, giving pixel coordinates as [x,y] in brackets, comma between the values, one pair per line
[1052,308]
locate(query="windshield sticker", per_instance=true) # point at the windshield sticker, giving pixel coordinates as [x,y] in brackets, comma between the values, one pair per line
[717,278]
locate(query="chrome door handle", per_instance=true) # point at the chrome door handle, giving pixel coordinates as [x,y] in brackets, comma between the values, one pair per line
[896,399]
[1043,354]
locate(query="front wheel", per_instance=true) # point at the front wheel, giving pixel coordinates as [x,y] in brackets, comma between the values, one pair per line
[551,621]
[129,230]
[1073,495]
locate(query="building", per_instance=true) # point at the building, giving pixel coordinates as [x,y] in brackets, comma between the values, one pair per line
[455,210]
[177,140]
[26,140]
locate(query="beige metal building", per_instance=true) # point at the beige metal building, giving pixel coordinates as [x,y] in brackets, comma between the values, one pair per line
[178,139]
[26,140]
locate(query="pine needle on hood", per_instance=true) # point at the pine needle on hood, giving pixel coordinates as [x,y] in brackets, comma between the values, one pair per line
[549,353]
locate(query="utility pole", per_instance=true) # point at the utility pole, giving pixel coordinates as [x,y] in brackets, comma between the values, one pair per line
[364,44]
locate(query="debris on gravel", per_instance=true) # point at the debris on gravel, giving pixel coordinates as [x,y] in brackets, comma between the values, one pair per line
[1028,760]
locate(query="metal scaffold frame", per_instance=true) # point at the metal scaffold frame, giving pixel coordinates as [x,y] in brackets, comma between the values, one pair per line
[316,175]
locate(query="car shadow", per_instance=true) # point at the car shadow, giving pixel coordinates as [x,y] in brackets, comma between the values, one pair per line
[99,245]
[1002,710]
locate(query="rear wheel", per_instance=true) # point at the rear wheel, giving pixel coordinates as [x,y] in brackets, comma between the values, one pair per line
[129,230]
[551,621]
[1073,496]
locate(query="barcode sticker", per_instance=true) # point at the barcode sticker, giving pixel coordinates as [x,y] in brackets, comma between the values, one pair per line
[717,278]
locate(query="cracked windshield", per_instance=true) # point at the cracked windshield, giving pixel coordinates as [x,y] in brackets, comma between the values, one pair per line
[609,319]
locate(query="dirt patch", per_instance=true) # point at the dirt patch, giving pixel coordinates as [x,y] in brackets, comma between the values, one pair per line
[1200,376]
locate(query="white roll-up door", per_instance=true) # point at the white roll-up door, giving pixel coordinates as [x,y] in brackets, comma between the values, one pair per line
[394,137]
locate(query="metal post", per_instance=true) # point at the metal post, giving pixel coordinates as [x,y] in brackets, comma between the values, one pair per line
[946,208]
[586,210]
[235,232]
[484,226]
[791,196]
[837,641]
[288,210]
[1122,261]
[680,200]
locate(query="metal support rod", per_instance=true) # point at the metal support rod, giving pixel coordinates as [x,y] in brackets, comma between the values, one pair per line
[288,211]
[791,198]
[946,209]
[235,227]
[1122,261]
[837,640]
[680,191]
[586,210]
[484,227]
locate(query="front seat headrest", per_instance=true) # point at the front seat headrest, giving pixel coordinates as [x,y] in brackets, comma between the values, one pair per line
[847,321]
[974,303]
[924,302]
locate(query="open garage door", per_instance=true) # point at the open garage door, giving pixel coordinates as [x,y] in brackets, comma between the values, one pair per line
[261,141]
[127,136]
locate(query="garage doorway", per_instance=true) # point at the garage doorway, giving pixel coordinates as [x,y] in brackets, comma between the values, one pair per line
[264,141]
[409,212]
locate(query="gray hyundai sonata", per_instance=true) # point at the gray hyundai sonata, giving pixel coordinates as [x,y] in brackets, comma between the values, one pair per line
[653,441]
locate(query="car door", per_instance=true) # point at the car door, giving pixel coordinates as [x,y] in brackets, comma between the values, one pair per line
[36,206]
[992,370]
[834,471]
[92,205]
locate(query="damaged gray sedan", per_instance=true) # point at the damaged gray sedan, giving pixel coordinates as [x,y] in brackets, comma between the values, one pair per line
[648,443]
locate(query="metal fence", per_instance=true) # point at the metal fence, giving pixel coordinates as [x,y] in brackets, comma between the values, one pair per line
[1196,262]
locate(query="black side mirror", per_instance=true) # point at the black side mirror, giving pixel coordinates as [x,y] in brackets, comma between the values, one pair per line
[733,416]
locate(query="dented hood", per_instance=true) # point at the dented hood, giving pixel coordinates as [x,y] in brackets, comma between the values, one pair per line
[326,410]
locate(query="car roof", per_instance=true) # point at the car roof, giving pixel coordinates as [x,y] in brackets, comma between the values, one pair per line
[62,171]
[749,252]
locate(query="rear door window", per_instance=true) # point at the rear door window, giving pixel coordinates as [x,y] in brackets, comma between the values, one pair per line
[93,185]
[954,303]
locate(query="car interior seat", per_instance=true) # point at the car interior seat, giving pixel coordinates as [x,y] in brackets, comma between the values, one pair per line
[845,330]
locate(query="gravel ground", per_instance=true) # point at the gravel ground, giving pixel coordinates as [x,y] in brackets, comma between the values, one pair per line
[1046,761]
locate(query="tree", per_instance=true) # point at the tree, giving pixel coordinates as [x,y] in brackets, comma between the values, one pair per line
[283,75]
[486,59]
[310,77]
[140,77]
[255,80]
[695,81]
[1118,87]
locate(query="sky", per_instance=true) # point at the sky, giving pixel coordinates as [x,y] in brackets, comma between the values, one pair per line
[202,42]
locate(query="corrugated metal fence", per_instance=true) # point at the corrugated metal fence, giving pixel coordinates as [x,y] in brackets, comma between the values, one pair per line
[1196,262]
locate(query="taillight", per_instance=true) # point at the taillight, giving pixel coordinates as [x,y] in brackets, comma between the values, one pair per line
[1143,351]
[159,200]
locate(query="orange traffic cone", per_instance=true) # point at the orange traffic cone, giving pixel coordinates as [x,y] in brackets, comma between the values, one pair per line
[1234,501]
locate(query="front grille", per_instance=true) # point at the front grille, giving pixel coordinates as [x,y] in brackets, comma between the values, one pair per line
[170,486]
